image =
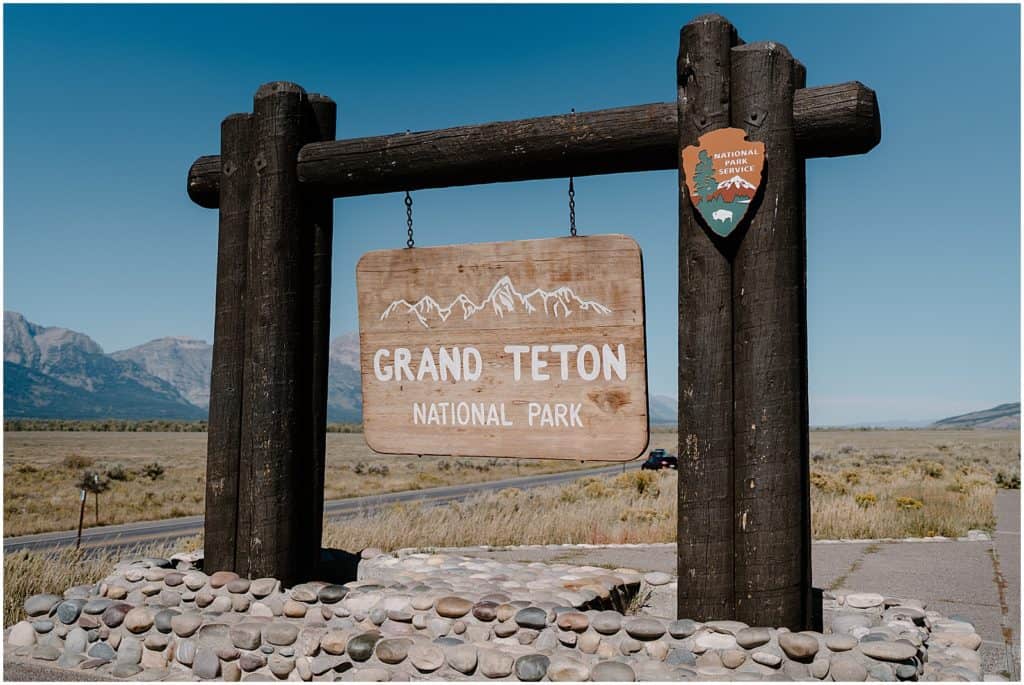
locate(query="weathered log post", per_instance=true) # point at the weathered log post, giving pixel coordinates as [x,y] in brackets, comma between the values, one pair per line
[277,475]
[744,501]
[321,125]
[225,430]
[705,518]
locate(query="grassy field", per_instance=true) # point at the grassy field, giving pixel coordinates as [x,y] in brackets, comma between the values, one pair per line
[864,484]
[41,469]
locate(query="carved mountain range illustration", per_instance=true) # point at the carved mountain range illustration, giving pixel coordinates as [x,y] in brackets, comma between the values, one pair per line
[503,299]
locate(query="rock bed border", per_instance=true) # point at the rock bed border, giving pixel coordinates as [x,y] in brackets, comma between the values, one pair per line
[417,616]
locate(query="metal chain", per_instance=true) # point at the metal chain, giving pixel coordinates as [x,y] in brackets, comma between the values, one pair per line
[572,209]
[408,218]
[572,191]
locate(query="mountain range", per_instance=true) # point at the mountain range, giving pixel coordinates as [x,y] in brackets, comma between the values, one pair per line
[52,372]
[503,299]
[737,186]
[1001,416]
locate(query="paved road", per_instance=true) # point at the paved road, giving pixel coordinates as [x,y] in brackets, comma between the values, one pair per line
[130,535]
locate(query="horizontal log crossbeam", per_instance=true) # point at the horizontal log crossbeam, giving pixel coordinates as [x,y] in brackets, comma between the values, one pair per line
[829,121]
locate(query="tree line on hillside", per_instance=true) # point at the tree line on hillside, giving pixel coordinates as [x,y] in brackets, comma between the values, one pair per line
[135,426]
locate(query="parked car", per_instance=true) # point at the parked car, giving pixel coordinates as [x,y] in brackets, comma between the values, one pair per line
[660,459]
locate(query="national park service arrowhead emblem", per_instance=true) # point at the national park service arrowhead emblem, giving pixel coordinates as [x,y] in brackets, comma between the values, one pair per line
[723,173]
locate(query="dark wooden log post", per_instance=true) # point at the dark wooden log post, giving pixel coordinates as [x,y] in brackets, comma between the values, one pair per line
[772,564]
[225,430]
[321,124]
[705,537]
[278,475]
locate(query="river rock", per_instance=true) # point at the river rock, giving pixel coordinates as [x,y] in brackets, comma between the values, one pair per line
[40,605]
[334,642]
[43,625]
[251,661]
[846,667]
[462,658]
[706,640]
[393,650]
[246,635]
[798,646]
[238,586]
[494,663]
[607,622]
[453,607]
[186,624]
[101,650]
[281,665]
[733,658]
[532,617]
[280,633]
[185,652]
[360,648]
[888,651]
[221,578]
[612,672]
[645,628]
[331,594]
[22,635]
[531,667]
[766,659]
[129,651]
[426,658]
[564,669]
[69,610]
[96,605]
[840,642]
[682,628]
[206,665]
[138,620]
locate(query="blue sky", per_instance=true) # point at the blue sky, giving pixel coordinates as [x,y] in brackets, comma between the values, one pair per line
[913,249]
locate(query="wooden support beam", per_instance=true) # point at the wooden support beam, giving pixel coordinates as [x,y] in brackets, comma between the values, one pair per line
[225,431]
[771,536]
[277,475]
[321,123]
[829,121]
[706,515]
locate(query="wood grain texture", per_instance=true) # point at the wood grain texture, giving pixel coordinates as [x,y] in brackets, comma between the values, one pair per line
[832,120]
[277,475]
[224,437]
[321,122]
[603,269]
[705,511]
[769,350]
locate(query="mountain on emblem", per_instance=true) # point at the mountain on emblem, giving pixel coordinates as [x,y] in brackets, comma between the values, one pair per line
[723,173]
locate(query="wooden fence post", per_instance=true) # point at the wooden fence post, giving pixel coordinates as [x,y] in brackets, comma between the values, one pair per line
[321,125]
[277,477]
[705,523]
[224,436]
[772,567]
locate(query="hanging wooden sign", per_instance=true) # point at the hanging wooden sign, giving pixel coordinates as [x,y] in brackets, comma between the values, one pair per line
[531,348]
[723,173]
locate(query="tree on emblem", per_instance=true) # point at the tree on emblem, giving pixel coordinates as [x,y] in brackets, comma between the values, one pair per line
[704,176]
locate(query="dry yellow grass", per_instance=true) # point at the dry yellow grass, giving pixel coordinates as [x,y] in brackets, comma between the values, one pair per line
[867,484]
[877,484]
[30,573]
[41,468]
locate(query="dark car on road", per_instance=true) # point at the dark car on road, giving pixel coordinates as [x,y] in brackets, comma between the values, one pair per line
[660,459]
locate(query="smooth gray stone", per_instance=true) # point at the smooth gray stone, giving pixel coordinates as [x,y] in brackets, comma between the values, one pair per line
[331,594]
[162,620]
[43,625]
[206,664]
[888,651]
[748,638]
[607,622]
[40,605]
[644,628]
[69,610]
[360,648]
[532,617]
[129,651]
[185,652]
[682,628]
[463,658]
[96,605]
[393,650]
[281,633]
[448,641]
[46,652]
[532,667]
[798,646]
[613,672]
[250,661]
[679,656]
[76,641]
[125,670]
[101,650]
[246,635]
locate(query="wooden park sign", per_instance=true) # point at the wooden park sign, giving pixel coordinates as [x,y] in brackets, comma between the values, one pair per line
[531,348]
[744,502]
